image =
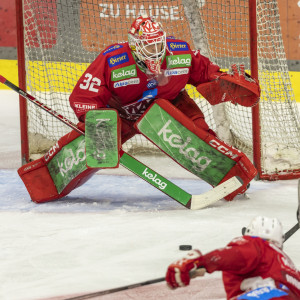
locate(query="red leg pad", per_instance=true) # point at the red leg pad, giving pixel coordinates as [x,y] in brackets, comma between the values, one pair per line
[245,170]
[242,167]
[39,177]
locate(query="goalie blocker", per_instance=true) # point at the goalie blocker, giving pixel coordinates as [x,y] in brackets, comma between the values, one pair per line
[195,149]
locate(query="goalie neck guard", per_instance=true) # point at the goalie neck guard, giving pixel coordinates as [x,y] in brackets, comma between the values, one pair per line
[266,228]
[147,40]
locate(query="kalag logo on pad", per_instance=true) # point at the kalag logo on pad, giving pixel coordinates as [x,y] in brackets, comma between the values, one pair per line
[178,46]
[112,48]
[200,162]
[76,155]
[118,59]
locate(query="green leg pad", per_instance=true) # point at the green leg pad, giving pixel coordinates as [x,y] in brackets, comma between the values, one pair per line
[184,146]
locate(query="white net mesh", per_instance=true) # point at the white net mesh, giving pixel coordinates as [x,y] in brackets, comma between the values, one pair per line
[62,37]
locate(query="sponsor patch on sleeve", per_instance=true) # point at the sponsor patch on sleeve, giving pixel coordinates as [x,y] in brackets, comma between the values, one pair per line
[118,59]
[112,48]
[82,107]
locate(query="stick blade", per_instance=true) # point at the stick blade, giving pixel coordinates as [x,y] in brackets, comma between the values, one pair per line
[216,194]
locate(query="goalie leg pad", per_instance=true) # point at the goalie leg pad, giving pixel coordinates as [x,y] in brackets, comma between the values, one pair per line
[196,150]
[61,170]
[245,170]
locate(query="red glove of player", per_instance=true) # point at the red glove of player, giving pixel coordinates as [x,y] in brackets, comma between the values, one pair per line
[178,273]
[235,86]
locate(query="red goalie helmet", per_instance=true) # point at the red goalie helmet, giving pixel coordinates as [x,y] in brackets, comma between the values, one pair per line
[147,40]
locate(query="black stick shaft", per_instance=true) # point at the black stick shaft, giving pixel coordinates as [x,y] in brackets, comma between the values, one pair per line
[41,105]
[115,290]
[290,232]
[296,226]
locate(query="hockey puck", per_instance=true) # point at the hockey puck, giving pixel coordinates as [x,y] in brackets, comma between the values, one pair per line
[185,247]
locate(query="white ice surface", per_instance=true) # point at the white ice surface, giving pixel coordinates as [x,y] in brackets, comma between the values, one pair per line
[114,230]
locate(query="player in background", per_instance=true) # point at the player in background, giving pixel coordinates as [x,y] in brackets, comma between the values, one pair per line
[129,77]
[254,266]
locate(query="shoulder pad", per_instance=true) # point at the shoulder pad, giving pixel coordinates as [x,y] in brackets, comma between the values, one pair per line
[112,48]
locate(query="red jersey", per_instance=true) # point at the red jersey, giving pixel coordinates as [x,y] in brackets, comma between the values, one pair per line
[247,257]
[115,80]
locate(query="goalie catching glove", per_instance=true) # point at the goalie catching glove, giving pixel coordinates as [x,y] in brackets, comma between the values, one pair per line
[235,86]
[180,272]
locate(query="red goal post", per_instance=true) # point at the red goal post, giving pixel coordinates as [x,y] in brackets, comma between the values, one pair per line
[57,39]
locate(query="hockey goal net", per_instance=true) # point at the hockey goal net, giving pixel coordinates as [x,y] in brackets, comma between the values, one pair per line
[58,39]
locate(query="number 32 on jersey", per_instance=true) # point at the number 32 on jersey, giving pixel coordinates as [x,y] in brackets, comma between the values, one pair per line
[90,83]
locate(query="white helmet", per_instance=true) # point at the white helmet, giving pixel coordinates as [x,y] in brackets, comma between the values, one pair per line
[266,228]
[147,40]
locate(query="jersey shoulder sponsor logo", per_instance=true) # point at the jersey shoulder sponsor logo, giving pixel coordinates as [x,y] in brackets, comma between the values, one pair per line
[124,73]
[178,46]
[112,48]
[175,72]
[118,59]
[177,61]
[126,82]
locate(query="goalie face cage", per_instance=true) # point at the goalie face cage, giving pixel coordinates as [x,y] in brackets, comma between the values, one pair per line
[57,39]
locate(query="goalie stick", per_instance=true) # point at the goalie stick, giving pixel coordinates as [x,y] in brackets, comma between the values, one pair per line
[158,181]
